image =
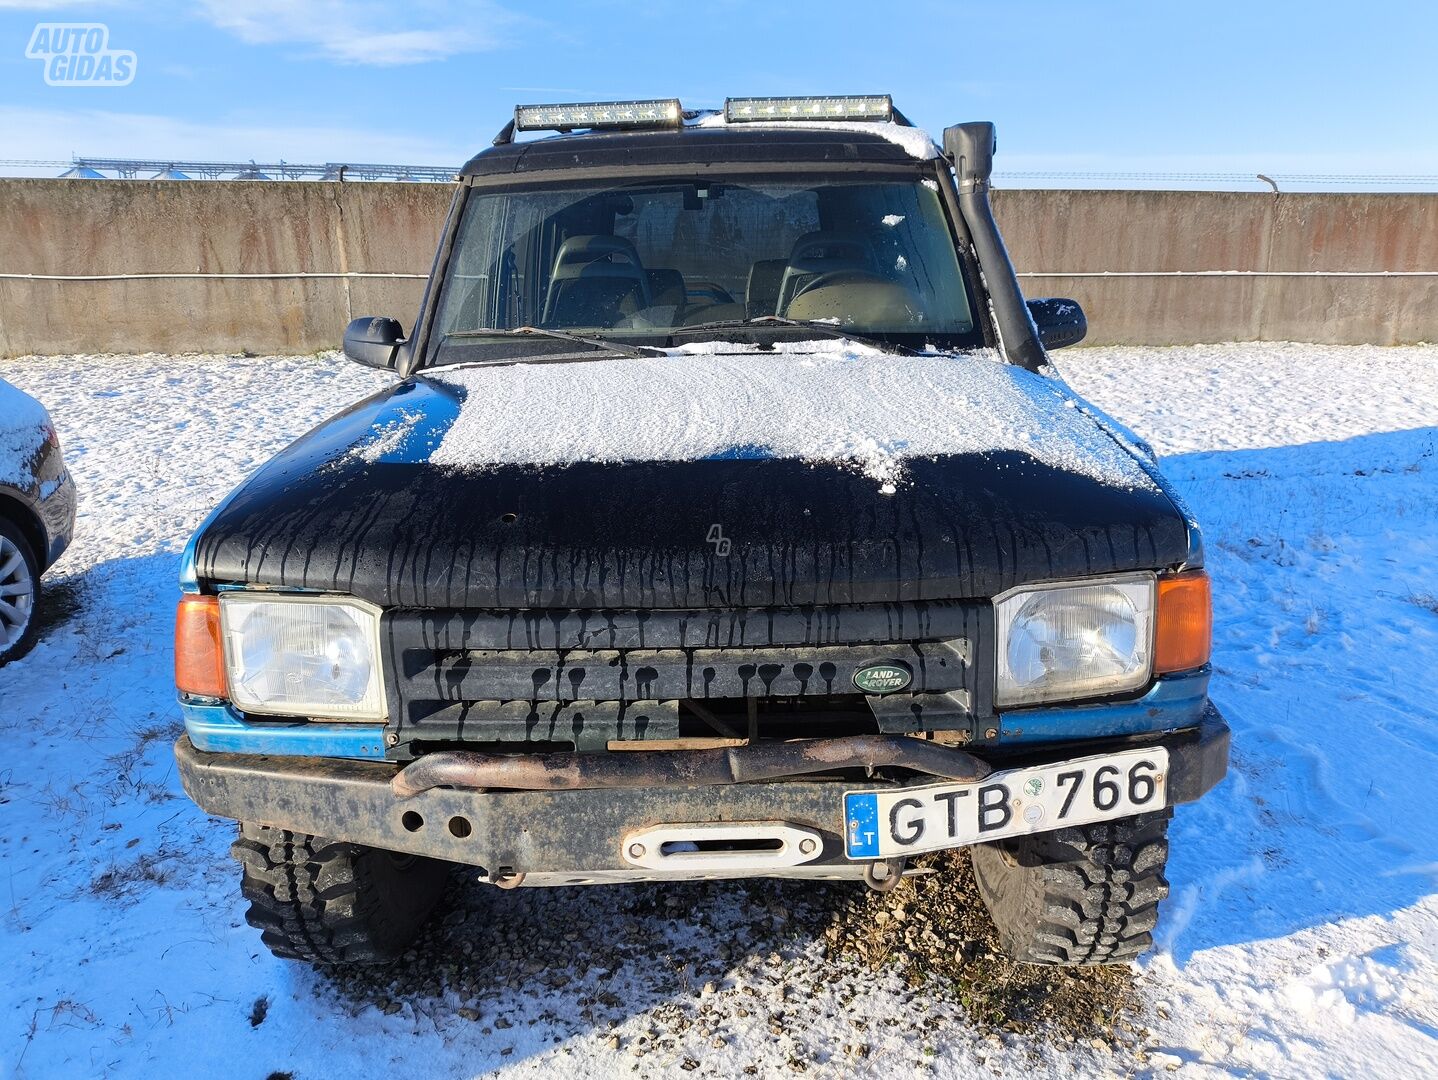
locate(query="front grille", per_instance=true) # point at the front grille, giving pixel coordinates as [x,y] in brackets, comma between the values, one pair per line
[586,678]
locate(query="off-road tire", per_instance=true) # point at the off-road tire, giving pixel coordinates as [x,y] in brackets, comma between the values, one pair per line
[331,902]
[1080,896]
[15,542]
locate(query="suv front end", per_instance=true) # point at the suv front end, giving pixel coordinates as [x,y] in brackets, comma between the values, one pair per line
[906,593]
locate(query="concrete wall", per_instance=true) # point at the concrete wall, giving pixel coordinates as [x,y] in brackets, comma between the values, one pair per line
[73,227]
[235,227]
[1096,231]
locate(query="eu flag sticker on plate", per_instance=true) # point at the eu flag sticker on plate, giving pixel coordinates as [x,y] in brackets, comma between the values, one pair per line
[861,829]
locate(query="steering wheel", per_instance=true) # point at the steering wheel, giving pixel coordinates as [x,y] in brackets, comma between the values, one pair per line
[840,277]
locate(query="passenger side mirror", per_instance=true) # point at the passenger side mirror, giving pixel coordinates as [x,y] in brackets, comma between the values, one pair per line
[1059,322]
[373,341]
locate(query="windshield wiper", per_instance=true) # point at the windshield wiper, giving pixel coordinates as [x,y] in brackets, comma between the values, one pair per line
[561,335]
[827,329]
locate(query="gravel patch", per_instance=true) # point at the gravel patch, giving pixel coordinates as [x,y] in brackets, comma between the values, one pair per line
[677,972]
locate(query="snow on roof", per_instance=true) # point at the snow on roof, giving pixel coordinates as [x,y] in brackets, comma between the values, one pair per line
[811,401]
[916,142]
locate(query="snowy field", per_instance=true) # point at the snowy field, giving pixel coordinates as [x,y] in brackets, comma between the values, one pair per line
[1301,938]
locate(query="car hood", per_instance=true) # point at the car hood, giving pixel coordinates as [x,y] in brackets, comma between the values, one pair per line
[517,487]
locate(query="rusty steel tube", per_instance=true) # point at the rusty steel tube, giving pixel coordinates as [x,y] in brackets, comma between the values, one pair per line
[681,768]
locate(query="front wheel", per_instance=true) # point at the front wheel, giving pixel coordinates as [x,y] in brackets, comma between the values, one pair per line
[1079,896]
[331,902]
[19,592]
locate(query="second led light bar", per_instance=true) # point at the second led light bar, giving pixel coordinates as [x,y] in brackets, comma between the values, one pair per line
[599,114]
[863,107]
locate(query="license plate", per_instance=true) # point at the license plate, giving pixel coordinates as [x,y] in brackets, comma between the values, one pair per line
[907,821]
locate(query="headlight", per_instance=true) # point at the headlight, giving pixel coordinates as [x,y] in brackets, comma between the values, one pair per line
[302,655]
[1082,640]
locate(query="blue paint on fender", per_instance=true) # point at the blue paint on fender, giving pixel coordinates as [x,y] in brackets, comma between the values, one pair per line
[220,729]
[408,426]
[189,575]
[406,422]
[1172,703]
[744,452]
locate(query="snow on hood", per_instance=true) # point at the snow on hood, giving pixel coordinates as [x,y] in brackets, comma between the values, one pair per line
[916,142]
[23,430]
[815,402]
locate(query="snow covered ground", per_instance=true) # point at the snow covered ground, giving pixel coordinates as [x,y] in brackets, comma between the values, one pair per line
[1301,938]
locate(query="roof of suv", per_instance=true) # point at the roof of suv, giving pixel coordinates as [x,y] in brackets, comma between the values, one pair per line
[710,143]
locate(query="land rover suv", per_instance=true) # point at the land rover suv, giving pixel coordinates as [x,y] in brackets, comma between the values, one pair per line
[725,518]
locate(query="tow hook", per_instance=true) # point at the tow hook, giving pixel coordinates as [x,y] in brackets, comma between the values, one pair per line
[884,874]
[504,878]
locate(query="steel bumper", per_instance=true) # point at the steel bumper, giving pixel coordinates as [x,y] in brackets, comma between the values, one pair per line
[577,835]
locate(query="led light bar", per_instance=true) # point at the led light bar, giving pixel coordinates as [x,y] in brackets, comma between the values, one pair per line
[870,107]
[598,114]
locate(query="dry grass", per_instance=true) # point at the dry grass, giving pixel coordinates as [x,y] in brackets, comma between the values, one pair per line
[120,881]
[1427,601]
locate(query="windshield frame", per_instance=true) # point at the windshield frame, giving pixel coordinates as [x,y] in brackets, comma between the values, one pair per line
[425,343]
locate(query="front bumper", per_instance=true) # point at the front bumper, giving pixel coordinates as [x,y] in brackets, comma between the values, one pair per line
[579,836]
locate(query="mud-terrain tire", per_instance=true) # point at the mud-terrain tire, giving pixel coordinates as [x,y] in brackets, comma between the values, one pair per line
[20,580]
[1079,896]
[330,902]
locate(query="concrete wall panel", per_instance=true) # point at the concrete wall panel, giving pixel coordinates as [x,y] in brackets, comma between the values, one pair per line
[73,227]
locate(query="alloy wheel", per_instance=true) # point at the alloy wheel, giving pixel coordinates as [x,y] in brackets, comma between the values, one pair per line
[17,594]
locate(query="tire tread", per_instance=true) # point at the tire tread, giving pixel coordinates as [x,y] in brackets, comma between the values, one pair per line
[1080,896]
[319,900]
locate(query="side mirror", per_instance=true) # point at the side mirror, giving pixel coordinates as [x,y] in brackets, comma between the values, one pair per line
[1059,322]
[373,341]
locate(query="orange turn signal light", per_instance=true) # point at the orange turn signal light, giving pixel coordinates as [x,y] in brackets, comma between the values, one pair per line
[1185,622]
[199,657]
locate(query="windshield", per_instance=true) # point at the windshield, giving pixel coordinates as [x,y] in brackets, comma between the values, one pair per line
[650,262]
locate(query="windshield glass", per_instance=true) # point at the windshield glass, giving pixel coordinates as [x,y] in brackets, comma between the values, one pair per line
[648,262]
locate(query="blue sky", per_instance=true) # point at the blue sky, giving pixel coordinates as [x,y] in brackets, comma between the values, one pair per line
[1110,86]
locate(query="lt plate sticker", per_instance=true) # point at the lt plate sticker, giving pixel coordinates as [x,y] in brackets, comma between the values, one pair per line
[908,821]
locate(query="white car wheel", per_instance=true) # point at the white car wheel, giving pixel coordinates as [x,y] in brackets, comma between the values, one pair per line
[19,585]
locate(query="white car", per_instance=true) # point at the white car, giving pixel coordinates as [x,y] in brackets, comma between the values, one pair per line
[37,514]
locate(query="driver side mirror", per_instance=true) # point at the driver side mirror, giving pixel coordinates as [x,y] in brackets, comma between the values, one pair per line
[1059,322]
[373,341]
